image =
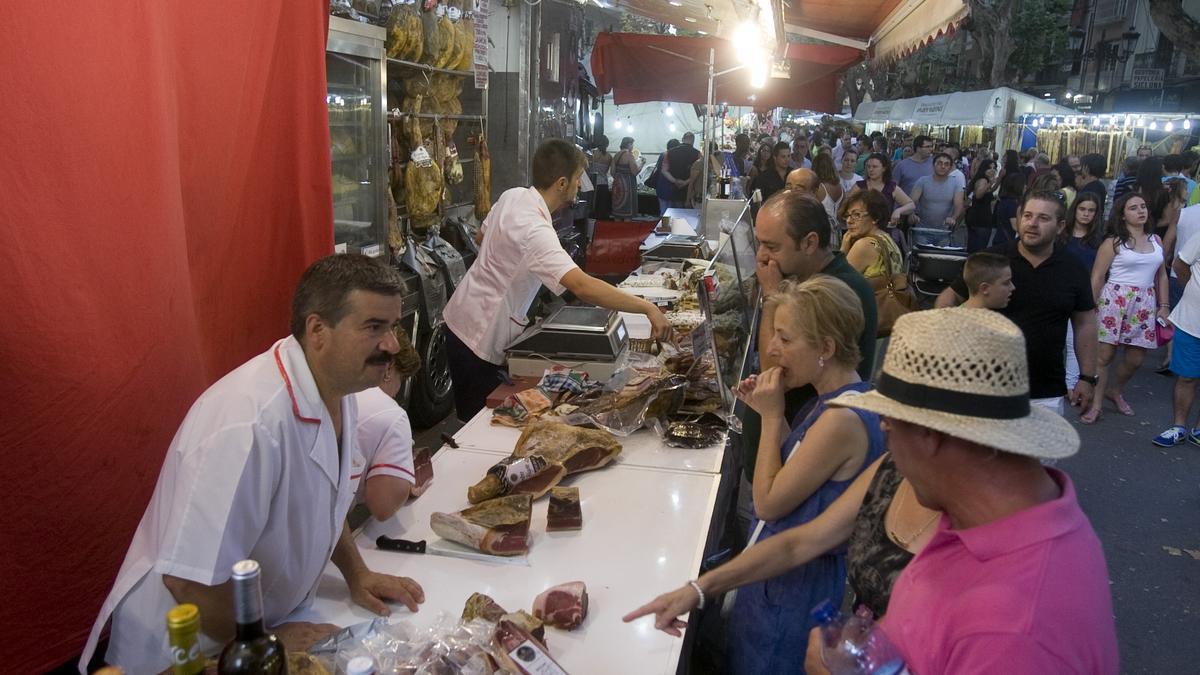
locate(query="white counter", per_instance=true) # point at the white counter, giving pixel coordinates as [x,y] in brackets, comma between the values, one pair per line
[643,533]
[640,449]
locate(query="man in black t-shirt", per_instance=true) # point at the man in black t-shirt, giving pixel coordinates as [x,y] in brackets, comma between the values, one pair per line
[679,166]
[774,178]
[1052,288]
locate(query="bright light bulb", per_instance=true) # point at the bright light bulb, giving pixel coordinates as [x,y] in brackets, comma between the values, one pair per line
[1141,122]
[1068,94]
[629,128]
[1154,126]
[671,128]
[1041,121]
[1096,121]
[1037,123]
[670,111]
[617,125]
[1170,127]
[1187,124]
[758,76]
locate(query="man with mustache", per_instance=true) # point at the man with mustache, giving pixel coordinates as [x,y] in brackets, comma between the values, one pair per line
[261,469]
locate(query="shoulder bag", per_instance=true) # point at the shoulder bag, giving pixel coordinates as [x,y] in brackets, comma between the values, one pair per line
[893,297]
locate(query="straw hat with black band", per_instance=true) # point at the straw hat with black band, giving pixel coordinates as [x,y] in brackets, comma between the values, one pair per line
[964,372]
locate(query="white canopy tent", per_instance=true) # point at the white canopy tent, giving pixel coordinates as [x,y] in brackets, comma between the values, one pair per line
[989,108]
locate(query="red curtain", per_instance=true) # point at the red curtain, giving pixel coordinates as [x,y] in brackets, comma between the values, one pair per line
[164,179]
[637,68]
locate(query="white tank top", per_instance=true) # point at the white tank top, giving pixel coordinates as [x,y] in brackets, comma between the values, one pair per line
[1131,268]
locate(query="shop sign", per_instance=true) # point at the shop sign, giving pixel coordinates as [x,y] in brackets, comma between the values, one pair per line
[882,111]
[930,108]
[1148,78]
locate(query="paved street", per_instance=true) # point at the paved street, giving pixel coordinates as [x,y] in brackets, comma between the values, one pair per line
[1144,501]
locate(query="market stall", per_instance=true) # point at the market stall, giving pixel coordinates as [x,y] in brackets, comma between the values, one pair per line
[970,117]
[650,516]
[1115,136]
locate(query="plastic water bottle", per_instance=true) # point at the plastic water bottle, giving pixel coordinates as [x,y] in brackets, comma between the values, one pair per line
[854,645]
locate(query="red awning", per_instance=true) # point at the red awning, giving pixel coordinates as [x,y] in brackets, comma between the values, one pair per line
[636,68]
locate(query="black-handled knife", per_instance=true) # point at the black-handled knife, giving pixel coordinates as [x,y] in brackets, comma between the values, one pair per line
[400,545]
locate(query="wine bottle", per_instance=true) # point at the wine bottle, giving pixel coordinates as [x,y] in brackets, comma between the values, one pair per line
[253,649]
[183,632]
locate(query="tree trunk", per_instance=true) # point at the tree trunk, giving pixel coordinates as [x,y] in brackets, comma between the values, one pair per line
[990,24]
[1181,28]
[850,83]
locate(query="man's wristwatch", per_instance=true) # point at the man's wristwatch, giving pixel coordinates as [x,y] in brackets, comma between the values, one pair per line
[1090,379]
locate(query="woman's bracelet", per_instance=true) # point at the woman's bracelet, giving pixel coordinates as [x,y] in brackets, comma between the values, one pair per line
[699,592]
[1161,305]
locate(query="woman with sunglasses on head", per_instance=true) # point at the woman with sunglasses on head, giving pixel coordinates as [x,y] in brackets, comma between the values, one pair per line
[1129,280]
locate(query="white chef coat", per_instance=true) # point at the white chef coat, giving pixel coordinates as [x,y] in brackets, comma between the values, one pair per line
[520,253]
[253,472]
[384,440]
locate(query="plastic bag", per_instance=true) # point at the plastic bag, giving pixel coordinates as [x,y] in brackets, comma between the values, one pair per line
[449,646]
[623,411]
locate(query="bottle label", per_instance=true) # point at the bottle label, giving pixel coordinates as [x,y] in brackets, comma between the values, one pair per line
[514,470]
[181,656]
[531,659]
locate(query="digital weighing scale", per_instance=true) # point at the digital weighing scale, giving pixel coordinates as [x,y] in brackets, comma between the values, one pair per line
[679,246]
[591,339]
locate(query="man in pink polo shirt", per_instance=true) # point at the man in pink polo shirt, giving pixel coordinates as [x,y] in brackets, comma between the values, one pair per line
[1014,579]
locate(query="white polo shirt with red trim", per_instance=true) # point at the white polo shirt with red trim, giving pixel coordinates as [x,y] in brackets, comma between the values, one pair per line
[253,472]
[520,253]
[384,440]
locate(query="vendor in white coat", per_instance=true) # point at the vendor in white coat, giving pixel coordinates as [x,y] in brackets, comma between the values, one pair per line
[261,469]
[520,252]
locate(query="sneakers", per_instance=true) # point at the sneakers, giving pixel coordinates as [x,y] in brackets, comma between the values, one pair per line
[1176,435]
[1172,437]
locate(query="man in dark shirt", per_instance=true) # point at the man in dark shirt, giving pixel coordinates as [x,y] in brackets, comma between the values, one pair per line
[1052,287]
[774,178]
[1093,166]
[679,166]
[794,236]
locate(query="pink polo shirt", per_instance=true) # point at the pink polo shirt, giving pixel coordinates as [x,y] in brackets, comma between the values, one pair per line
[1026,594]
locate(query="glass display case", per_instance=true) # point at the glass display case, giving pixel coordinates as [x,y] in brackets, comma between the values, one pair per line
[729,300]
[358,152]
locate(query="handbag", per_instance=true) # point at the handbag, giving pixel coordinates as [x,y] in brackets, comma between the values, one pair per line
[1164,333]
[652,180]
[893,297]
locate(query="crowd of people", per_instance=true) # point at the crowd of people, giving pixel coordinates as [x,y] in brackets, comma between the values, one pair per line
[909,487]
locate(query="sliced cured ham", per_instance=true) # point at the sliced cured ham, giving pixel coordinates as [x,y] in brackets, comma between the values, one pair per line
[563,606]
[498,526]
[576,448]
[531,475]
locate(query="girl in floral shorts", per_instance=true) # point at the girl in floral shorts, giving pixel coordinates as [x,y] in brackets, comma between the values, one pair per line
[1130,301]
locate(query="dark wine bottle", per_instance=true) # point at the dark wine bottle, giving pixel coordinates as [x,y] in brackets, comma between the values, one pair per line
[253,649]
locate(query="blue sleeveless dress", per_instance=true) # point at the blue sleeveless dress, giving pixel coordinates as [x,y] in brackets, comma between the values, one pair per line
[769,624]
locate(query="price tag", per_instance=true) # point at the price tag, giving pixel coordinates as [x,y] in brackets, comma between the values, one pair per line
[339,248]
[452,152]
[454,13]
[421,157]
[371,250]
[531,659]
[440,11]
